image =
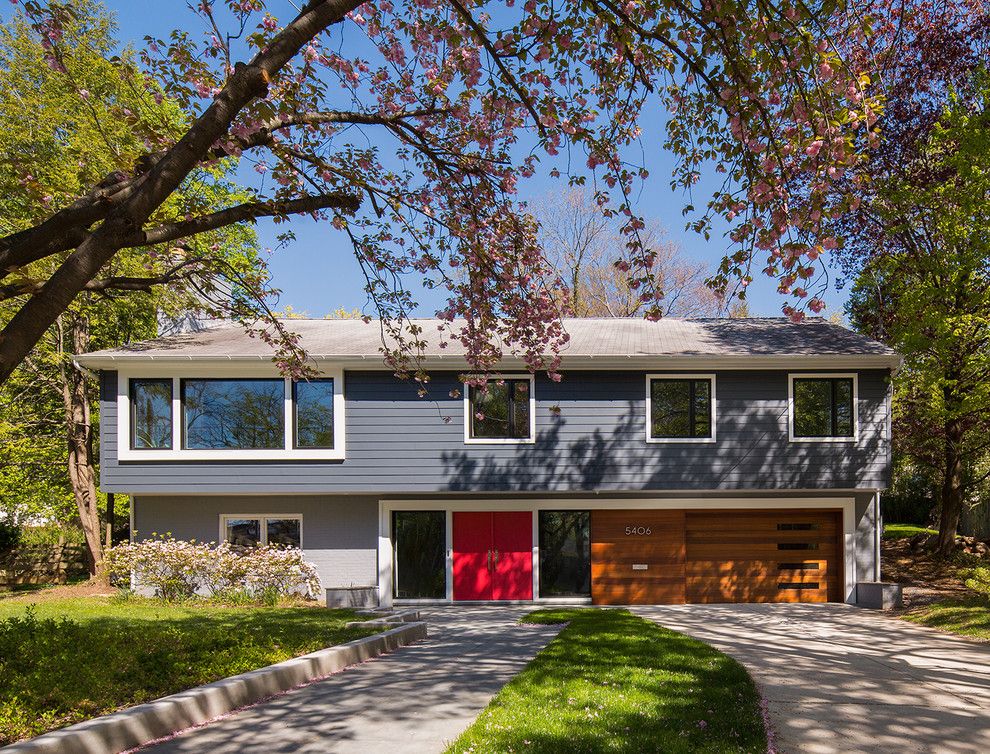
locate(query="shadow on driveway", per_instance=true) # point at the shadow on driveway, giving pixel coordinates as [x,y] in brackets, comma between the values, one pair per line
[842,679]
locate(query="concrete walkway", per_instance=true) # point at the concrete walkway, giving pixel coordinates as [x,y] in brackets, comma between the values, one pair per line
[413,701]
[843,679]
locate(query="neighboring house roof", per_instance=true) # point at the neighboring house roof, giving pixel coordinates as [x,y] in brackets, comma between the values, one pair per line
[669,343]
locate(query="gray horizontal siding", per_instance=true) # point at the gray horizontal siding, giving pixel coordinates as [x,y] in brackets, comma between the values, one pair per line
[340,535]
[398,442]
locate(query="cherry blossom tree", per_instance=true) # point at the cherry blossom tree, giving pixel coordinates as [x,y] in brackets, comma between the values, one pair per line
[409,126]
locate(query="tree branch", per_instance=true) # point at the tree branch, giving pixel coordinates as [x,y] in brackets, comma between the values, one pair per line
[247,212]
[245,84]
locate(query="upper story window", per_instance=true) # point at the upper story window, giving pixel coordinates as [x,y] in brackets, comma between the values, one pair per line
[233,413]
[313,414]
[680,408]
[823,407]
[502,411]
[201,416]
[151,414]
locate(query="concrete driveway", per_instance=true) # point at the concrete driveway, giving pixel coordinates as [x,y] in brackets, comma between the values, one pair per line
[842,679]
[414,701]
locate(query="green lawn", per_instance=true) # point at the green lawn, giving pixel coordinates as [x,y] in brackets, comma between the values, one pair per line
[904,531]
[614,682]
[65,660]
[967,617]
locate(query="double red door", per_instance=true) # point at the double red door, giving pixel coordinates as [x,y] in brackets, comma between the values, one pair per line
[493,555]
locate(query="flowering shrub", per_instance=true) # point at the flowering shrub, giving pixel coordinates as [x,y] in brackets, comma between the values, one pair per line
[275,571]
[177,569]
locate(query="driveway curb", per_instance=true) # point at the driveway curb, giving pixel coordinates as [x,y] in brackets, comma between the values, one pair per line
[139,725]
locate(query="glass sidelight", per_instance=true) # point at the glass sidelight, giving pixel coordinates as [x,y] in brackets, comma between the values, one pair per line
[419,554]
[565,554]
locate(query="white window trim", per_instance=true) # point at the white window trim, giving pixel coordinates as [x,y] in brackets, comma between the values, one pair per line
[822,375]
[262,517]
[177,453]
[468,440]
[649,408]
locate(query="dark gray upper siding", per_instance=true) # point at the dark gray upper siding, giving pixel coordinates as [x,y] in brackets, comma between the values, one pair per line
[397,442]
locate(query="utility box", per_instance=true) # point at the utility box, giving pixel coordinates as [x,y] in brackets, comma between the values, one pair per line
[879,595]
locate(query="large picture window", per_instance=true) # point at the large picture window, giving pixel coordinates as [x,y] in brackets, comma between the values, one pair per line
[565,554]
[233,413]
[253,530]
[823,407]
[501,411]
[419,546]
[250,415]
[151,414]
[313,414]
[681,408]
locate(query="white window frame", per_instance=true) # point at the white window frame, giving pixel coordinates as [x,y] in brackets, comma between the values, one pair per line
[468,440]
[177,453]
[822,375]
[263,519]
[710,376]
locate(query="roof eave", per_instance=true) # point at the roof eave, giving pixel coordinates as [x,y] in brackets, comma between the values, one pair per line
[632,361]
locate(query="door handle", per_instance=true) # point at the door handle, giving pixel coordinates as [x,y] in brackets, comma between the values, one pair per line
[489,562]
[496,558]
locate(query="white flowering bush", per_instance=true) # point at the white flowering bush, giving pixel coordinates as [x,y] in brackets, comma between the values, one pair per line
[173,568]
[275,571]
[177,569]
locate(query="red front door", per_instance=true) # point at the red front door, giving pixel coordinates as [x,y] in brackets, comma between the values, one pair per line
[493,555]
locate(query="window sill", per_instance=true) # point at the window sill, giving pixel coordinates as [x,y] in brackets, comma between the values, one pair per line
[498,441]
[295,454]
[822,439]
[668,440]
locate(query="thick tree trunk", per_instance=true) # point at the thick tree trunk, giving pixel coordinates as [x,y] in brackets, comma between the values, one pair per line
[952,488]
[79,434]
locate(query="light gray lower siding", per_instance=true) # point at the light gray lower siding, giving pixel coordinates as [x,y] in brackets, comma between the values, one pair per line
[340,534]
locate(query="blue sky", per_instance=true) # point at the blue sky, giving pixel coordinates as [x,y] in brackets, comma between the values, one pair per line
[317,272]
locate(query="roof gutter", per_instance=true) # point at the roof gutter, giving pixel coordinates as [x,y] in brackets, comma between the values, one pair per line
[629,361]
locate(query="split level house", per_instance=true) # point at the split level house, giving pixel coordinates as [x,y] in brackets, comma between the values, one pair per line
[709,460]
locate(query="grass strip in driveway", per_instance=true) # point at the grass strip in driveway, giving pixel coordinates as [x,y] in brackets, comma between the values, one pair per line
[614,682]
[64,661]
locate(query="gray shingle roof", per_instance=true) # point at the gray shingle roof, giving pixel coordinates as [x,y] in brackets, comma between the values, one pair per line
[706,339]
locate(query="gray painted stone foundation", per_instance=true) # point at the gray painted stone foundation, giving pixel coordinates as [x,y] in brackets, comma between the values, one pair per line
[354,596]
[879,595]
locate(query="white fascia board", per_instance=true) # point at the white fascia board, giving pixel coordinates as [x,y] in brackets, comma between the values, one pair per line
[373,362]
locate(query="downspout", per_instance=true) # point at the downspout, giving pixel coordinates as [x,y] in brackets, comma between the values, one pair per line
[877,534]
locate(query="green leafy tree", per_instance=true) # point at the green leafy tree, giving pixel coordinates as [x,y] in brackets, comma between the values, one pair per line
[65,130]
[928,295]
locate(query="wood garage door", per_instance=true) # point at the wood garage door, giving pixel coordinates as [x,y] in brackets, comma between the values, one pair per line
[763,556]
[637,557]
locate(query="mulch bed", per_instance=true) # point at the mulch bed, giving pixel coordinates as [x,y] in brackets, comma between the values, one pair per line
[926,578]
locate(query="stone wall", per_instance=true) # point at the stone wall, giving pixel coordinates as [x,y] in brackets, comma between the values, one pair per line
[42,564]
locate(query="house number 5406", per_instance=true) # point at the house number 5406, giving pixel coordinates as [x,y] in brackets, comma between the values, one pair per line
[638,531]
